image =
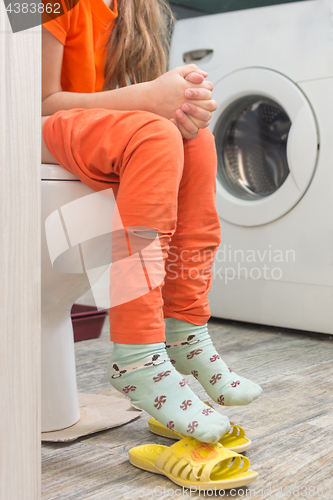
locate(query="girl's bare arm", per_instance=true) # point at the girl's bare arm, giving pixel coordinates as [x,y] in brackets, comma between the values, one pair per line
[54,99]
[163,96]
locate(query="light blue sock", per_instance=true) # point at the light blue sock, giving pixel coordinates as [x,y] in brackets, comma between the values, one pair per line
[144,373]
[191,351]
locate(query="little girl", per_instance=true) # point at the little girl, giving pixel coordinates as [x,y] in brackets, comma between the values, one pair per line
[149,142]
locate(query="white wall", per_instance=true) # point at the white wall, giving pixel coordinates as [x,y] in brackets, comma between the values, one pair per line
[19,262]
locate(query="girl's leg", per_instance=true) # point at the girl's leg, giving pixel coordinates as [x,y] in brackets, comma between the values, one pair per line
[141,156]
[197,236]
[188,279]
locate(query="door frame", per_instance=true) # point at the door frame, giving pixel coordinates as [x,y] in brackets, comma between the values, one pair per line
[20,160]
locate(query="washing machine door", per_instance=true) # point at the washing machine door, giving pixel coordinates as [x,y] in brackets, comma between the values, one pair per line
[267,145]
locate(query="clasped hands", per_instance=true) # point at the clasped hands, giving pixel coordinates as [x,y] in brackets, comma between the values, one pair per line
[197,111]
[186,99]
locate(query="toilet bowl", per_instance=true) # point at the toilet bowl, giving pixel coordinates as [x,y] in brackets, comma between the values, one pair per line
[63,281]
[77,228]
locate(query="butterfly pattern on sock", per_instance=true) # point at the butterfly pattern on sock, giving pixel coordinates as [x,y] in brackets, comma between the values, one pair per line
[192,426]
[186,404]
[222,384]
[159,401]
[161,375]
[163,393]
[129,388]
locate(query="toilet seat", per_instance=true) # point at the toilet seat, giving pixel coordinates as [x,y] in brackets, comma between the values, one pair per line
[53,172]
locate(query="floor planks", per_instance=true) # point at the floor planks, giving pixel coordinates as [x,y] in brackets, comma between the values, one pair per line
[291,424]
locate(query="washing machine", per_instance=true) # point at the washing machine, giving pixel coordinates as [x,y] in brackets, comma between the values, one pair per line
[272,69]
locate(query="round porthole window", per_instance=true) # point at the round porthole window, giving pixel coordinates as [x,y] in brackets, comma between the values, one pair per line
[251,141]
[267,145]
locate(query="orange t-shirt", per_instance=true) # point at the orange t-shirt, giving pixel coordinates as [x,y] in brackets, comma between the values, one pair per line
[83,31]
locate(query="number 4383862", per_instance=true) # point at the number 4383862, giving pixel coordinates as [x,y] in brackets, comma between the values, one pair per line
[25,8]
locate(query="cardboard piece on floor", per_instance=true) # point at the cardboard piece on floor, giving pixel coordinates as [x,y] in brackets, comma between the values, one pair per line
[98,412]
[116,394]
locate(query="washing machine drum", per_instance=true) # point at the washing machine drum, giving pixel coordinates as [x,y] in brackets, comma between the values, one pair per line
[253,148]
[266,141]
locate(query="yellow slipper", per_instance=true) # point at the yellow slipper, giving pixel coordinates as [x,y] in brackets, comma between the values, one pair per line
[191,463]
[234,439]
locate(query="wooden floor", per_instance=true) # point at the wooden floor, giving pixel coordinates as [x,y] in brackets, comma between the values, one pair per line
[291,424]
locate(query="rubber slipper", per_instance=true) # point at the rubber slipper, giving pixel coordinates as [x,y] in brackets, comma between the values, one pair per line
[234,439]
[191,463]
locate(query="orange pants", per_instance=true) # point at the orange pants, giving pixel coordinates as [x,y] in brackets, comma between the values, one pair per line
[160,181]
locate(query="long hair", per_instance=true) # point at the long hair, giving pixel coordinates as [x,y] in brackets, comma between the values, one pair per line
[138,45]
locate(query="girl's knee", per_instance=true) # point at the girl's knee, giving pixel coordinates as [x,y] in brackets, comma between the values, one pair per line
[164,130]
[155,148]
[158,138]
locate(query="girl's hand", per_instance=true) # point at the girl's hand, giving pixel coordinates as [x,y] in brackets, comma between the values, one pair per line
[187,128]
[194,116]
[196,113]
[166,94]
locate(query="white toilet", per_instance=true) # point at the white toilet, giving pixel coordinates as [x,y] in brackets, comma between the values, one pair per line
[77,225]
[60,408]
